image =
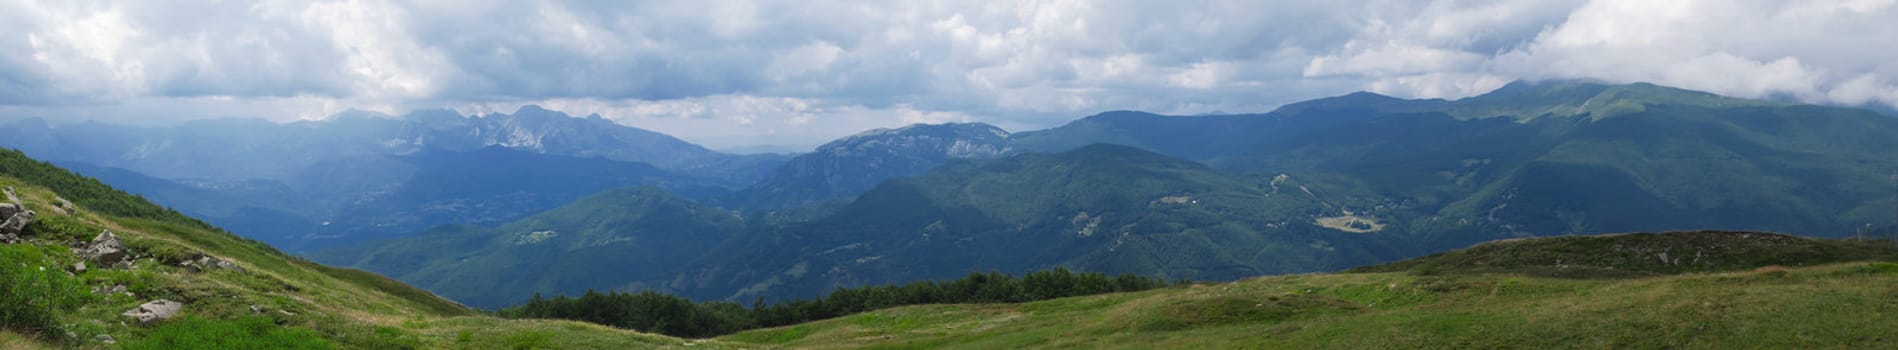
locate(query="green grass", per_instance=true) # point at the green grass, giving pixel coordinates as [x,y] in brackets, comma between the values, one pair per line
[1641,254]
[276,301]
[252,332]
[1848,305]
[34,290]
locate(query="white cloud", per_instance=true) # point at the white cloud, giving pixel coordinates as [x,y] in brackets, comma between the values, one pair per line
[731,72]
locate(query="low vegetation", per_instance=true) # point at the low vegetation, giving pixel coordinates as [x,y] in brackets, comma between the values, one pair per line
[1641,254]
[241,333]
[34,291]
[1751,298]
[671,315]
[262,299]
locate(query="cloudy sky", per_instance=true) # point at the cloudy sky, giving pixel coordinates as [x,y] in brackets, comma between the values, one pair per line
[743,74]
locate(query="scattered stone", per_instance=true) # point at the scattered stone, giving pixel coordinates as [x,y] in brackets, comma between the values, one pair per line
[107,339]
[79,267]
[113,289]
[18,221]
[14,224]
[65,206]
[254,308]
[104,248]
[122,265]
[203,263]
[286,312]
[156,310]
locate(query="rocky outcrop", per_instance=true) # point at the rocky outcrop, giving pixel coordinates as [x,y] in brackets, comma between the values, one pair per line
[203,263]
[15,217]
[14,225]
[105,249]
[64,206]
[154,311]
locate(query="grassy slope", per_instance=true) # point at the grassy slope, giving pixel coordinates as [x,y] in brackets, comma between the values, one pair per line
[1847,305]
[351,308]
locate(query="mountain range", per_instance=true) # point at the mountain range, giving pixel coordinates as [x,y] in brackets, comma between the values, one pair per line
[1313,186]
[361,176]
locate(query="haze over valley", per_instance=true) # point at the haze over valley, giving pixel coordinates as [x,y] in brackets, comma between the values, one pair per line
[966,175]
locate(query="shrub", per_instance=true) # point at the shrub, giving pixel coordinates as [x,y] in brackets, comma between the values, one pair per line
[61,228]
[34,291]
[250,332]
[164,251]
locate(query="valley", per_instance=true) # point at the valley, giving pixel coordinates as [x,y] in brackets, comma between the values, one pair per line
[747,174]
[1322,196]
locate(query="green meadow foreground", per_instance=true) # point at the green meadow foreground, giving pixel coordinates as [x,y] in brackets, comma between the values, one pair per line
[266,300]
[1848,305]
[1496,295]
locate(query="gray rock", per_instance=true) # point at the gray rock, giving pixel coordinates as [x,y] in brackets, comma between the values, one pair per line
[8,209]
[154,311]
[65,206]
[107,339]
[12,198]
[105,248]
[17,222]
[113,289]
[79,267]
[207,262]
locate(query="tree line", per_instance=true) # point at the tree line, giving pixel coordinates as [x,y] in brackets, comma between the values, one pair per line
[671,315]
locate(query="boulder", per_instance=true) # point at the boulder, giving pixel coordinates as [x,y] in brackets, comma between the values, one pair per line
[14,224]
[154,311]
[215,263]
[105,249]
[207,262]
[65,206]
[8,209]
[12,198]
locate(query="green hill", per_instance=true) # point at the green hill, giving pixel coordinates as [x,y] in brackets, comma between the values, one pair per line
[1107,208]
[1641,254]
[606,241]
[261,296]
[1756,303]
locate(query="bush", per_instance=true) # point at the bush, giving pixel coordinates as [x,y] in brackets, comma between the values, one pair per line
[34,291]
[250,332]
[165,252]
[60,228]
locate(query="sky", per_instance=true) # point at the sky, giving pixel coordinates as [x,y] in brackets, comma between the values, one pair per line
[788,75]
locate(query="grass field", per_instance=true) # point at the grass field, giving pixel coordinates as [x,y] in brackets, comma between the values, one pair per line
[345,308]
[1848,305]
